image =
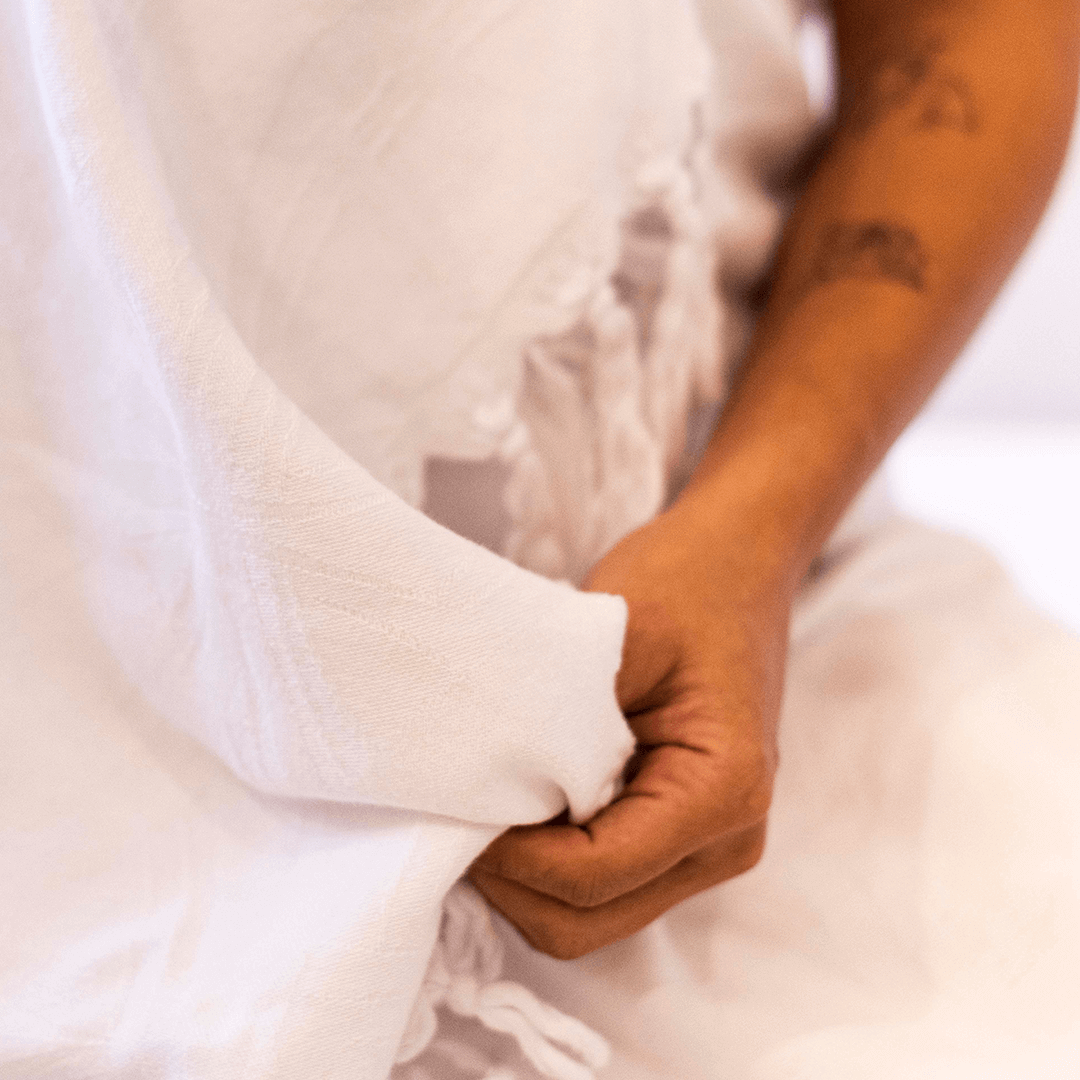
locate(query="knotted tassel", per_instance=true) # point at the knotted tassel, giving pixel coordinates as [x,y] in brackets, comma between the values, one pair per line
[464,977]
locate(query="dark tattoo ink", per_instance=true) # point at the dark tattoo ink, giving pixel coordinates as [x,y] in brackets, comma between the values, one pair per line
[871,250]
[947,103]
[913,80]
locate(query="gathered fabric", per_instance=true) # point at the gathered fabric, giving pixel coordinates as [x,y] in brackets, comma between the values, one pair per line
[261,266]
[273,279]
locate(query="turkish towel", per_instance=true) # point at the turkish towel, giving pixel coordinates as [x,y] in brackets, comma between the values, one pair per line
[257,712]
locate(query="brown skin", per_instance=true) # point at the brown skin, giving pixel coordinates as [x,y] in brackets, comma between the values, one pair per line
[954,117]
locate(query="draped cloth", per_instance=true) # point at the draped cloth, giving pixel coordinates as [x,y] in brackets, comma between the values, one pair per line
[266,270]
[261,264]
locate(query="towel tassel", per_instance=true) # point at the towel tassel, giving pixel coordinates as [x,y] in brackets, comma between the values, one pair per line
[463,976]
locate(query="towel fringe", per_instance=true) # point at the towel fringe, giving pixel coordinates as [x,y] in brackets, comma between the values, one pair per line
[463,976]
[602,417]
[603,406]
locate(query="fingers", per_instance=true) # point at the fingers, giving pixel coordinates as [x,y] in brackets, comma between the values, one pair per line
[566,932]
[646,831]
[682,799]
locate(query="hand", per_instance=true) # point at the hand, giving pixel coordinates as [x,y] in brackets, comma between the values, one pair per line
[700,685]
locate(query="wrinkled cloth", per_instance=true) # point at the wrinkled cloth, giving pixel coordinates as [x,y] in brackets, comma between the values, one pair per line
[261,265]
[264,268]
[258,712]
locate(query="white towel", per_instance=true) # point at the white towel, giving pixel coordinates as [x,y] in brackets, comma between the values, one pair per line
[258,713]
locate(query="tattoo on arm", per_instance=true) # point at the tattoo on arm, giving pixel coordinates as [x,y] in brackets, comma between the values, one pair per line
[912,80]
[870,250]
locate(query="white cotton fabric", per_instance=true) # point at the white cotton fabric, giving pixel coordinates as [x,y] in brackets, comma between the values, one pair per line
[260,264]
[272,278]
[258,712]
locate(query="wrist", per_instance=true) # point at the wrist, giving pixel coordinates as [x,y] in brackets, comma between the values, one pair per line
[777,476]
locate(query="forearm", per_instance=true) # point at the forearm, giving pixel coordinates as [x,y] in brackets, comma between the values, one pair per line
[908,225]
[953,121]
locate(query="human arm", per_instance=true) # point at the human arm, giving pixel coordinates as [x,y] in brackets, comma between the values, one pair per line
[952,124]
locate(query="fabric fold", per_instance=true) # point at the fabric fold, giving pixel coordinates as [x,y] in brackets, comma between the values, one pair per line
[196,575]
[331,625]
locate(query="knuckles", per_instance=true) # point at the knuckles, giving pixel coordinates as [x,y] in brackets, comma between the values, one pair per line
[731,857]
[573,927]
[749,854]
[750,773]
[572,933]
